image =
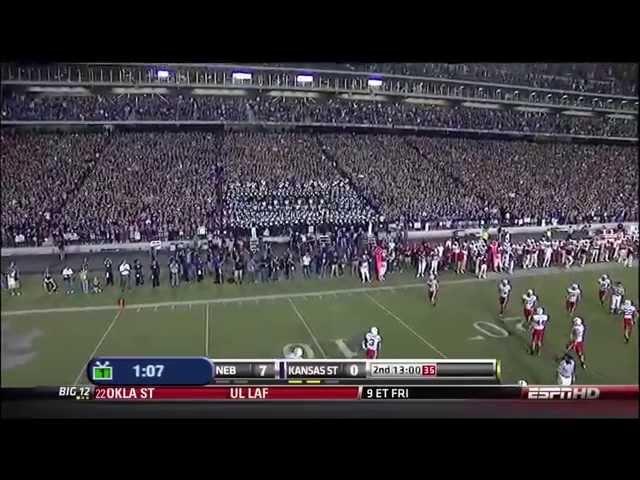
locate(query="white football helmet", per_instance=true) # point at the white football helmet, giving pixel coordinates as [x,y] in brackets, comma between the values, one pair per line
[539,311]
[298,352]
[432,277]
[627,303]
[577,321]
[529,292]
[605,276]
[374,330]
[505,282]
[574,286]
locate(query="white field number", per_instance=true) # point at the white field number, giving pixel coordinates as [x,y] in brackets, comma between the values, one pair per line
[309,353]
[491,329]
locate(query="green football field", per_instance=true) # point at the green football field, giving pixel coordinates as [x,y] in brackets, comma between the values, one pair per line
[48,339]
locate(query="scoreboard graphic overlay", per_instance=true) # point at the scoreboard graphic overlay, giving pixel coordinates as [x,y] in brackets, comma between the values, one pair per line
[193,380]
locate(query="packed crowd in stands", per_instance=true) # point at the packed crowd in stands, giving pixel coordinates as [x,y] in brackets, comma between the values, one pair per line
[118,186]
[339,111]
[40,173]
[450,180]
[304,110]
[279,180]
[20,106]
[108,188]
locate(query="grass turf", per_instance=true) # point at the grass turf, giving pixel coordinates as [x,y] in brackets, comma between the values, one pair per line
[52,347]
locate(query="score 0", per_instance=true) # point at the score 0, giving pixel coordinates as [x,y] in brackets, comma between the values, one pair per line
[354,370]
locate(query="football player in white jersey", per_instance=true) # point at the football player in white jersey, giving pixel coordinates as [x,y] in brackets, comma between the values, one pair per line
[504,289]
[566,371]
[548,250]
[573,297]
[629,315]
[13,280]
[595,250]
[617,293]
[365,276]
[295,354]
[538,325]
[432,289]
[576,341]
[372,343]
[604,285]
[529,302]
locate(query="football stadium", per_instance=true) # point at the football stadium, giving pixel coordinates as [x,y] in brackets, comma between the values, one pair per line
[264,211]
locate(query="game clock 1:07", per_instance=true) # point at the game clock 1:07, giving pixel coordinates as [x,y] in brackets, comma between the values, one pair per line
[148,371]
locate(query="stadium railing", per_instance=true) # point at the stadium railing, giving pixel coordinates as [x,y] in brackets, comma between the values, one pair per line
[412,235]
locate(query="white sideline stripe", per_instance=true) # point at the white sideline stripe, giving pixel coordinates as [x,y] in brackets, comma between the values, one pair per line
[99,344]
[206,331]
[401,322]
[315,339]
[282,296]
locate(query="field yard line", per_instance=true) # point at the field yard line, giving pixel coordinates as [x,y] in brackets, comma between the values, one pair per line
[425,341]
[99,344]
[206,331]
[281,296]
[315,339]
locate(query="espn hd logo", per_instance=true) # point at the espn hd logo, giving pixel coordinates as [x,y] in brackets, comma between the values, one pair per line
[563,393]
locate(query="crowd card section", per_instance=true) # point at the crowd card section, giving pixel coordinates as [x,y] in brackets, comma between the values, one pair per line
[150,371]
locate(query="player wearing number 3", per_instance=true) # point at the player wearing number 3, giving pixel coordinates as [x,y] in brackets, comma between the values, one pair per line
[372,343]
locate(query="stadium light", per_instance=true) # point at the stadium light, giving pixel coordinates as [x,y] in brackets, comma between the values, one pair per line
[163,74]
[304,79]
[374,82]
[241,76]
